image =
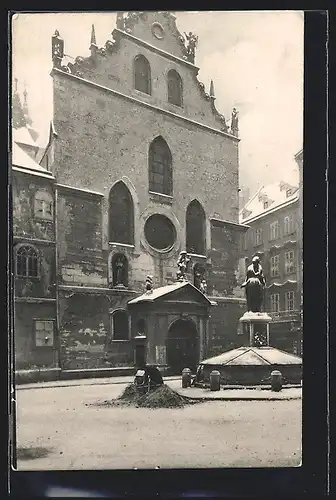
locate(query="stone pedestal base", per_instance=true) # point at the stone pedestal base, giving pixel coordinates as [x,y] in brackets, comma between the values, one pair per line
[256,328]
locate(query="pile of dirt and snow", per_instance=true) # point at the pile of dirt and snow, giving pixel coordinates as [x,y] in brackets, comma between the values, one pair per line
[161,397]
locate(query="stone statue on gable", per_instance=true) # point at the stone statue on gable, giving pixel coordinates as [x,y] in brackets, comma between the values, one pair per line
[234,120]
[182,264]
[192,41]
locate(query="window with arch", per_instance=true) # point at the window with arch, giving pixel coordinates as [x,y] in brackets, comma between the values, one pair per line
[27,262]
[119,270]
[43,205]
[142,74]
[160,167]
[195,228]
[174,88]
[120,325]
[121,215]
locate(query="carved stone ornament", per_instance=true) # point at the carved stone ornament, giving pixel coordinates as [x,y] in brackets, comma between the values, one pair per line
[158,31]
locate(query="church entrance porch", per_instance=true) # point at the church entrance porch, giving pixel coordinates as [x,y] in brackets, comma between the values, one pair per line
[176,319]
[182,346]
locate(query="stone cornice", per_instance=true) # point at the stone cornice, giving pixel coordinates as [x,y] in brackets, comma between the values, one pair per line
[81,190]
[234,225]
[148,46]
[34,240]
[144,104]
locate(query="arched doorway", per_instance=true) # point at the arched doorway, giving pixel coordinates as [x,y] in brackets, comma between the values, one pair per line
[182,346]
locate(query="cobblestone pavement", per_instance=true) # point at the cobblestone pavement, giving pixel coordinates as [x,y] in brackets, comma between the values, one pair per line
[57,425]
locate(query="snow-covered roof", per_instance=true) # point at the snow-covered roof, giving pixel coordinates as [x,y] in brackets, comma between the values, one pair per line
[162,291]
[22,135]
[247,356]
[276,195]
[22,160]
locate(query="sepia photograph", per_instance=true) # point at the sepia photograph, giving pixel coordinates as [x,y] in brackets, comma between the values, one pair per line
[156,177]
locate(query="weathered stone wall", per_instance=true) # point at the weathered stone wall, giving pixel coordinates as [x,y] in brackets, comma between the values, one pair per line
[224,320]
[27,354]
[85,330]
[79,239]
[224,256]
[25,223]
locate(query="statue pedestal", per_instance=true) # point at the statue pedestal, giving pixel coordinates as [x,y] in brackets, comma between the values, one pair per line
[255,326]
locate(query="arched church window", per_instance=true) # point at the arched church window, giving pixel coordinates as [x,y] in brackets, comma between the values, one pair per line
[119,270]
[174,88]
[199,274]
[27,262]
[195,228]
[142,74]
[160,167]
[120,325]
[121,215]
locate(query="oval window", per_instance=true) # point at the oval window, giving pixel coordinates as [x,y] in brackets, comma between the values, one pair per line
[160,232]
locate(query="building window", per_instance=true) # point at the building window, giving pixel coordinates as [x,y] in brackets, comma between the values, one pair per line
[44,333]
[195,228]
[289,301]
[160,232]
[258,237]
[160,167]
[174,88]
[275,302]
[289,262]
[265,205]
[274,230]
[121,215]
[275,265]
[142,74]
[27,262]
[43,205]
[288,192]
[120,325]
[119,270]
[288,224]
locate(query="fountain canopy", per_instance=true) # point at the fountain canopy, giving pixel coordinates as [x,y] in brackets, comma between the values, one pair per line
[252,366]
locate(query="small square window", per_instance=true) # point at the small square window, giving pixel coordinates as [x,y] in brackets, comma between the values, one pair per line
[44,333]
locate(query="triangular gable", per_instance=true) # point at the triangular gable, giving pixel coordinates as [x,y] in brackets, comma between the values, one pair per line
[156,28]
[185,294]
[176,292]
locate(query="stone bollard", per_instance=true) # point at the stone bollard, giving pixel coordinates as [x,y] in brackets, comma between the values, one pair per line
[276,381]
[214,380]
[186,378]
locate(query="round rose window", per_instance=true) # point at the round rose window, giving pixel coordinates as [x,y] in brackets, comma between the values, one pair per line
[160,232]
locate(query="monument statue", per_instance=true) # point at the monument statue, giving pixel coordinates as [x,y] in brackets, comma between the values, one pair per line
[120,272]
[149,284]
[182,264]
[234,120]
[191,43]
[203,286]
[254,285]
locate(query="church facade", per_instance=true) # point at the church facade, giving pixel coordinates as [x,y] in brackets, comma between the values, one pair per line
[142,166]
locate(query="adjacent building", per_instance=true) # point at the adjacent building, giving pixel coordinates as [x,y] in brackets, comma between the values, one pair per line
[139,166]
[273,217]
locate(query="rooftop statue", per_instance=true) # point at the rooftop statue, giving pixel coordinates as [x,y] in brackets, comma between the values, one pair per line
[192,41]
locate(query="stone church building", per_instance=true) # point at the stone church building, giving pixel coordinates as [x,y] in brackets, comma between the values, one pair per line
[139,166]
